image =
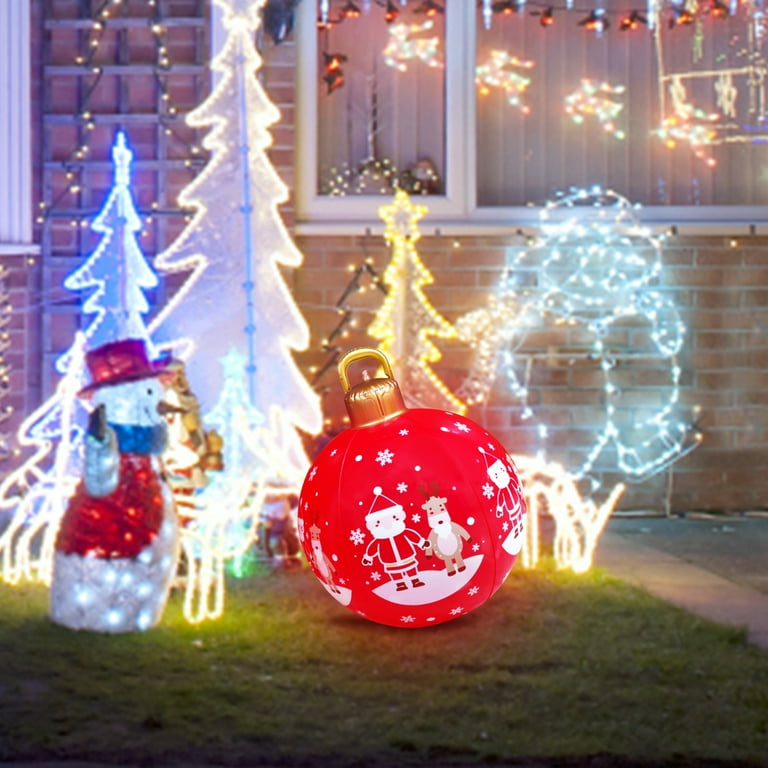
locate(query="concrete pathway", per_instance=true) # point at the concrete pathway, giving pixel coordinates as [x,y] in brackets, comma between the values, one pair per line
[624,553]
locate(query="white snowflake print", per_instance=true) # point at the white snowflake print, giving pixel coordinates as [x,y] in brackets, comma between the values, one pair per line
[312,473]
[505,526]
[334,451]
[416,517]
[385,457]
[456,611]
[376,576]
[402,487]
[357,537]
[472,591]
[475,547]
[403,432]
[407,619]
[461,426]
[488,490]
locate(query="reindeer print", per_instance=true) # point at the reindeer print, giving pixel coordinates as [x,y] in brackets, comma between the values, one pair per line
[446,539]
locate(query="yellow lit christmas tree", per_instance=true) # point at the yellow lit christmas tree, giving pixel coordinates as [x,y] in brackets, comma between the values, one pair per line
[406,322]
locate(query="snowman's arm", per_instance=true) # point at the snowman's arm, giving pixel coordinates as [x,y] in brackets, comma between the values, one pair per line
[102,459]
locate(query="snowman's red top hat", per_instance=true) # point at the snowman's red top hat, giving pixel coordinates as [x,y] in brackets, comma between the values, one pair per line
[118,362]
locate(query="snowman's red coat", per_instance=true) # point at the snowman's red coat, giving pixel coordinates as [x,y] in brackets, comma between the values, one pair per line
[121,524]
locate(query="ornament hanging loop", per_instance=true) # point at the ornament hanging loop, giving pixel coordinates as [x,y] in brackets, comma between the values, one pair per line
[360,354]
[372,400]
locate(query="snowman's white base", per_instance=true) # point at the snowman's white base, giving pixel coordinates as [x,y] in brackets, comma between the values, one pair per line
[119,594]
[514,542]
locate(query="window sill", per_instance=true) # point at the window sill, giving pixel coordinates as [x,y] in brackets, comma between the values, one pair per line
[704,221]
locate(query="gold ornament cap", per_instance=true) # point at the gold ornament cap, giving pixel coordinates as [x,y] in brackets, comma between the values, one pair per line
[372,400]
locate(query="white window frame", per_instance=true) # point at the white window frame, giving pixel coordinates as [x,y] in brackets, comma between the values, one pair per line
[15,130]
[456,212]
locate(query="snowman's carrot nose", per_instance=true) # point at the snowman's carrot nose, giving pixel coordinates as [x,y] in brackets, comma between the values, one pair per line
[164,408]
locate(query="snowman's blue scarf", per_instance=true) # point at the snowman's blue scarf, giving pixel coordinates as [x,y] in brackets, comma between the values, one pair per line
[131,438]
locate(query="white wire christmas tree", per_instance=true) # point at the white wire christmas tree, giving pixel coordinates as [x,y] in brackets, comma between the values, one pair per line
[234,246]
[406,322]
[221,519]
[37,490]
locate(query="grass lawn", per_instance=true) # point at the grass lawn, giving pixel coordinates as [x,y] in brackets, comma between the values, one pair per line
[585,669]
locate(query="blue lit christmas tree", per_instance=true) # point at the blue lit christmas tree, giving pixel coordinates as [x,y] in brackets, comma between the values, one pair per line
[116,272]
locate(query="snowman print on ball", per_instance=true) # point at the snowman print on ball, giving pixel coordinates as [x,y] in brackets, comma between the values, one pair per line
[117,549]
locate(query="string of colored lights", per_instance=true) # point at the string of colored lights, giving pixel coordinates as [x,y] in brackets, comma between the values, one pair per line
[402,47]
[595,19]
[499,72]
[406,321]
[596,99]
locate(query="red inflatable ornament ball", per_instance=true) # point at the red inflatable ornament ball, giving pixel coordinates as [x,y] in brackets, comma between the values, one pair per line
[412,516]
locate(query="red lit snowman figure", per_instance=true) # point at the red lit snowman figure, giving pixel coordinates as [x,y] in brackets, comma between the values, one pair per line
[118,544]
[411,517]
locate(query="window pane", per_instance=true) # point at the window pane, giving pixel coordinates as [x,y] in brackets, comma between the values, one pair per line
[381,108]
[669,116]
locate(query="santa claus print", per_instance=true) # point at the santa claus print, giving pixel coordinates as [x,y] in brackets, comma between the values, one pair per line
[394,545]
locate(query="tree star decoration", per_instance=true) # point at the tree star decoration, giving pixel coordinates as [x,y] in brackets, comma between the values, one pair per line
[401,219]
[406,321]
[589,280]
[401,48]
[499,72]
[596,99]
